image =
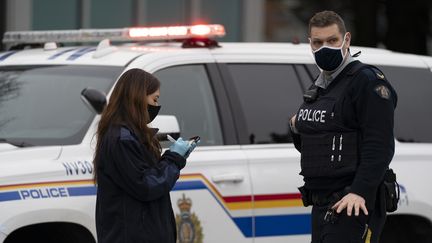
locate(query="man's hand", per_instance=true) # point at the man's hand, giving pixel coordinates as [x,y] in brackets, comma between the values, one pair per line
[292,123]
[349,202]
[293,119]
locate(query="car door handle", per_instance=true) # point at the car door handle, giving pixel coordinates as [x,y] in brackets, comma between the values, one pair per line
[232,178]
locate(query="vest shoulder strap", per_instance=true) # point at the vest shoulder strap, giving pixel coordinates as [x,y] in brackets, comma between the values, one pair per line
[373,73]
[358,66]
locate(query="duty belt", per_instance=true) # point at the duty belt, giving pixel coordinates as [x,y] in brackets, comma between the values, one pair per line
[312,198]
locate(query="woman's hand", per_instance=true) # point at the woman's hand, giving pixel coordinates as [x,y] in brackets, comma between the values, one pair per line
[349,202]
[192,147]
[181,147]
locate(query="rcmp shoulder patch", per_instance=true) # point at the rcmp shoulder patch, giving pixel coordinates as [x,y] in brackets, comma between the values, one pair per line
[382,91]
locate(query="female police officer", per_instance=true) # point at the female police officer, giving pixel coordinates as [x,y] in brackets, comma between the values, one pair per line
[344,131]
[134,180]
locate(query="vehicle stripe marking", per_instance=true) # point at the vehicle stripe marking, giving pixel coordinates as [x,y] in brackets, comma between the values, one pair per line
[245,225]
[269,225]
[279,204]
[9,196]
[82,191]
[45,184]
[245,228]
[238,199]
[229,202]
[209,186]
[80,53]
[188,185]
[272,225]
[265,197]
[294,224]
[245,202]
[278,225]
[277,196]
[6,55]
[61,53]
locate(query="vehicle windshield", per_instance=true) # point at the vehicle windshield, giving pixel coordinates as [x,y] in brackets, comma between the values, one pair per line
[41,105]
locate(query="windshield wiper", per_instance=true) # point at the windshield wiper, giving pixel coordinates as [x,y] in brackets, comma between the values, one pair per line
[15,143]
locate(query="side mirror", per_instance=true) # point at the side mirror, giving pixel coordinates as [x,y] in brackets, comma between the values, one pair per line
[94,99]
[167,125]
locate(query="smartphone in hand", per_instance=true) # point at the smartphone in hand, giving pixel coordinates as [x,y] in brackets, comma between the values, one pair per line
[194,139]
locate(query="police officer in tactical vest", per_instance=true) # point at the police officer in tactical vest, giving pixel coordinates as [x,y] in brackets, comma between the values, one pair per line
[344,131]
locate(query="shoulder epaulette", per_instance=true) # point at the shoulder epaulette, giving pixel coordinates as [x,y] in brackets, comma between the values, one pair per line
[373,73]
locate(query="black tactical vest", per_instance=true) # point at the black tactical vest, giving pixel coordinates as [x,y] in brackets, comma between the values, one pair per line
[329,148]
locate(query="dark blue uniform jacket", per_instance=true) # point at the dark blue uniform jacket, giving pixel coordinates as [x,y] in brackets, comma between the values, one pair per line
[133,200]
[367,106]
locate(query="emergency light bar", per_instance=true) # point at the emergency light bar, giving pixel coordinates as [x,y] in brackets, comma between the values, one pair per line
[123,34]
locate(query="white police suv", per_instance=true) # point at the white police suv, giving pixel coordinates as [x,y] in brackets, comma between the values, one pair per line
[240,184]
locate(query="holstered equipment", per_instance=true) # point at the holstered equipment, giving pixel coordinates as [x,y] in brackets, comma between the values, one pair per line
[310,198]
[391,191]
[305,196]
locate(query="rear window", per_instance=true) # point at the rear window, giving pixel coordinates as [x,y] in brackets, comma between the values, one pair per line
[269,95]
[186,93]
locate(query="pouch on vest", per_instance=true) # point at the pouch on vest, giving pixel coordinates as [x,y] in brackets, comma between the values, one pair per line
[329,154]
[391,191]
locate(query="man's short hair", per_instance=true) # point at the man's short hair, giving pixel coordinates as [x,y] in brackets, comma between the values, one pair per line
[325,19]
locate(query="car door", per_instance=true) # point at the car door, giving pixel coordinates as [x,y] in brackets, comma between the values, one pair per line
[269,94]
[212,198]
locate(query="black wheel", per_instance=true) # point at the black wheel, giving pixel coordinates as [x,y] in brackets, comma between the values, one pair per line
[51,233]
[406,229]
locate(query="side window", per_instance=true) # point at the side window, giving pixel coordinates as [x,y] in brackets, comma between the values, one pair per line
[306,78]
[269,95]
[413,114]
[312,70]
[186,93]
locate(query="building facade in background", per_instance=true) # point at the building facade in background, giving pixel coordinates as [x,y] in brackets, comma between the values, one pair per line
[373,22]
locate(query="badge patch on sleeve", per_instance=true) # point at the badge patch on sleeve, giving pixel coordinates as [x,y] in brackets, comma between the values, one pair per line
[382,91]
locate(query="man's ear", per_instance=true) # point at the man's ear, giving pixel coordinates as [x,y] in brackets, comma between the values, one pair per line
[348,39]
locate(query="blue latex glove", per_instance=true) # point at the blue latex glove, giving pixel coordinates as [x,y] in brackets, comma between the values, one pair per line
[181,147]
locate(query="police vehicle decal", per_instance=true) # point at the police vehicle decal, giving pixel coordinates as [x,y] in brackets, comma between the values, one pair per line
[268,224]
[6,55]
[61,53]
[403,196]
[45,190]
[78,167]
[188,224]
[80,53]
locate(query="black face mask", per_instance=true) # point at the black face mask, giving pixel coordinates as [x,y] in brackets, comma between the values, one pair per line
[329,58]
[152,111]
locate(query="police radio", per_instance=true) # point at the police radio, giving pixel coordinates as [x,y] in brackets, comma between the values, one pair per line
[311,94]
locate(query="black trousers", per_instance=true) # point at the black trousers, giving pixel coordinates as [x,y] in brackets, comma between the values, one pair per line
[341,228]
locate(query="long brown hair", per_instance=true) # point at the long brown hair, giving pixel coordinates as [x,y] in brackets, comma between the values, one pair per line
[128,106]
